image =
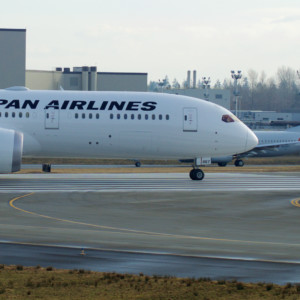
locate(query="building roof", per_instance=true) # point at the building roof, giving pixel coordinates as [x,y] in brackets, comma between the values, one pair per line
[9,29]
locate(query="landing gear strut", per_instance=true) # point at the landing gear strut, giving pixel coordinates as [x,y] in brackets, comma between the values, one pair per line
[196,174]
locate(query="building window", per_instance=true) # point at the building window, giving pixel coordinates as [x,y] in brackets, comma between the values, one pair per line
[219,96]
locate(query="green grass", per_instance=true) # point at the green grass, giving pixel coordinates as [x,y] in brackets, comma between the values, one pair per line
[17,282]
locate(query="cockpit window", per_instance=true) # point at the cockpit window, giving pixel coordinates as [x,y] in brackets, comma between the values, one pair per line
[227,119]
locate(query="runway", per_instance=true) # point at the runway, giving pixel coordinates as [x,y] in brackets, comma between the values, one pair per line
[146,182]
[234,225]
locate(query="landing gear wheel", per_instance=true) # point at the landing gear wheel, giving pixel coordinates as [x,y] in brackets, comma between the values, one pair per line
[137,164]
[196,174]
[239,163]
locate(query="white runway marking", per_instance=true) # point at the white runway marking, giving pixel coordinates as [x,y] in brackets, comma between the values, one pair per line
[147,182]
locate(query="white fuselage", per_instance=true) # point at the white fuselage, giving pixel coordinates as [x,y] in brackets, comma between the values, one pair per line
[120,125]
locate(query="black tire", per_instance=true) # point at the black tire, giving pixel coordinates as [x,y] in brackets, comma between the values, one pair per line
[239,163]
[192,174]
[46,168]
[138,164]
[196,174]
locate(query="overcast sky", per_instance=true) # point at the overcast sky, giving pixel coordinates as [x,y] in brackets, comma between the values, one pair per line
[160,37]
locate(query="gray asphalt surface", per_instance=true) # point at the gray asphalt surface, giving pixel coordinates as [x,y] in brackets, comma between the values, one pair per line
[229,226]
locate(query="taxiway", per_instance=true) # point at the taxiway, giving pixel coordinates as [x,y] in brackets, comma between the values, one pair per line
[242,226]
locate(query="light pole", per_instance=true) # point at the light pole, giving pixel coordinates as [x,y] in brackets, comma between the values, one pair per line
[236,77]
[162,84]
[206,86]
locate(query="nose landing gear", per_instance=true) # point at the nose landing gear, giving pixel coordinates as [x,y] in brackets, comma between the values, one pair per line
[196,174]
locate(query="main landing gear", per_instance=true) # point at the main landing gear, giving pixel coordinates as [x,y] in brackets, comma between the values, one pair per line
[196,174]
[239,163]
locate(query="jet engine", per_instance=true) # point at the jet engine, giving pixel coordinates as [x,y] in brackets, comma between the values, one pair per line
[11,149]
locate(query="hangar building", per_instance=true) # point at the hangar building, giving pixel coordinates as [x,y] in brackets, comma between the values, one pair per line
[12,57]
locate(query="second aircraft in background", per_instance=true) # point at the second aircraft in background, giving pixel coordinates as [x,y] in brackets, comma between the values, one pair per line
[270,143]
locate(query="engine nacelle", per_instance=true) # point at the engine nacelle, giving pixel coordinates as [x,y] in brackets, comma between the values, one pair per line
[11,149]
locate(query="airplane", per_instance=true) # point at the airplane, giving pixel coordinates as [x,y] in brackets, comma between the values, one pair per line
[126,125]
[270,144]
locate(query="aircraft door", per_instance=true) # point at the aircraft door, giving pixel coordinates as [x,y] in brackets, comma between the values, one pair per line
[51,118]
[190,122]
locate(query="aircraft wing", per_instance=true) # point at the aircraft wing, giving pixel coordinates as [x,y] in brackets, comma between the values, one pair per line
[271,149]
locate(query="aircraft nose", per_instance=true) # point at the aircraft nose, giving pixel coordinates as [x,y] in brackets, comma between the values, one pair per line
[251,140]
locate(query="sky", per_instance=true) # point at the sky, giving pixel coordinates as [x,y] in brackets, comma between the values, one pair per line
[159,37]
